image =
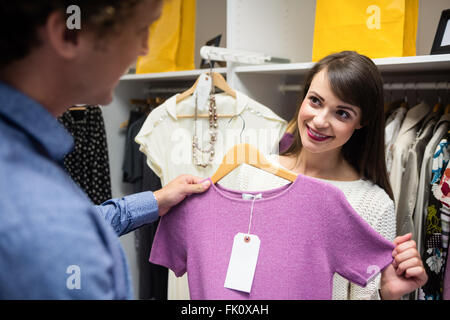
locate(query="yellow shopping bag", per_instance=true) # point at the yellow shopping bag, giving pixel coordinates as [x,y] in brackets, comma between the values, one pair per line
[375,28]
[171,39]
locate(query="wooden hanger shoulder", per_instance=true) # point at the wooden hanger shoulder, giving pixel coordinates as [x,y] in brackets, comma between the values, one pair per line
[246,153]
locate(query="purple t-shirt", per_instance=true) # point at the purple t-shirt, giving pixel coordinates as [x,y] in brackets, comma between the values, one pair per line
[308,231]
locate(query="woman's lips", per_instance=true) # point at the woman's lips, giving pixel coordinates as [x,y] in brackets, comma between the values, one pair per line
[315,135]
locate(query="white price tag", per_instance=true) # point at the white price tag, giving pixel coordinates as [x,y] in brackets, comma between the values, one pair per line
[244,256]
[202,91]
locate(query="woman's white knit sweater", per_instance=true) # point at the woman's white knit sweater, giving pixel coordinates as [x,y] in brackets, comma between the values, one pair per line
[367,198]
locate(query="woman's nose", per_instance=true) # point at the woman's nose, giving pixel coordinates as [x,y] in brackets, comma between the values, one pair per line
[321,119]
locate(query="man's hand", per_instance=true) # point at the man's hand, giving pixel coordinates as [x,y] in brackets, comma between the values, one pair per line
[406,273]
[176,190]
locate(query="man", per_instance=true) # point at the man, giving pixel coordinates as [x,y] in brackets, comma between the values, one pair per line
[50,233]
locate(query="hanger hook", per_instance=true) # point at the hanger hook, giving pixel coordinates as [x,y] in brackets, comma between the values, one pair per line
[210,65]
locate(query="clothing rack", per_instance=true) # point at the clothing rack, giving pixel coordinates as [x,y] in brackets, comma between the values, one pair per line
[387,86]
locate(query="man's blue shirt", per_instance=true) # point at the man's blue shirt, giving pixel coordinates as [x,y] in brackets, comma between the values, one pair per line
[54,243]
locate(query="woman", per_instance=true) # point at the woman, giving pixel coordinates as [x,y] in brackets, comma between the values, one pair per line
[338,136]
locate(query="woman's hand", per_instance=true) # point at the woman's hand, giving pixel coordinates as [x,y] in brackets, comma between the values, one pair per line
[406,273]
[176,190]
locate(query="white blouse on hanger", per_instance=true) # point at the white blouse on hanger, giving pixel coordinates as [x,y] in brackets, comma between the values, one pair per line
[166,140]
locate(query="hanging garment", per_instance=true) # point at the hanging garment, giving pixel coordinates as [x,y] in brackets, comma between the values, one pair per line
[410,178]
[441,192]
[307,229]
[167,140]
[88,163]
[432,257]
[171,39]
[370,201]
[152,278]
[131,166]
[440,130]
[393,124]
[406,137]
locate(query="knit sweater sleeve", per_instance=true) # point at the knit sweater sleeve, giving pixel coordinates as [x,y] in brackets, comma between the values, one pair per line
[385,225]
[373,205]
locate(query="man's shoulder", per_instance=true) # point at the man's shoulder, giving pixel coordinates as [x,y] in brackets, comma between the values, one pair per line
[47,234]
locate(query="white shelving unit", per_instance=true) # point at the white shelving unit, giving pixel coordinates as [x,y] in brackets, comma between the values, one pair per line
[414,64]
[280,28]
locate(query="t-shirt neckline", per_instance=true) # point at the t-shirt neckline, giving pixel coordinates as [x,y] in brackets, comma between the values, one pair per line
[274,194]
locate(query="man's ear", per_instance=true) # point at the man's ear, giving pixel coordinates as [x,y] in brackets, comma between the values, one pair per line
[64,41]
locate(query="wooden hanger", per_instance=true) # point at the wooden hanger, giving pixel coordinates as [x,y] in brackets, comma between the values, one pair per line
[188,92]
[219,81]
[246,153]
[447,109]
[437,107]
[77,108]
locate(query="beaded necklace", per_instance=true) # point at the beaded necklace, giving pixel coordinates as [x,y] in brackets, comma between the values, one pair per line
[209,150]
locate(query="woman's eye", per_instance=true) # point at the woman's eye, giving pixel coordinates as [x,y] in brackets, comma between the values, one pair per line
[314,100]
[343,114]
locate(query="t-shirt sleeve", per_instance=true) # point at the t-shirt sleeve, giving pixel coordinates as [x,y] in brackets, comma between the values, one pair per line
[169,245]
[358,252]
[150,143]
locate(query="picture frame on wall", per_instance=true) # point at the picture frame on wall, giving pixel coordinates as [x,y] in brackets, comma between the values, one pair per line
[441,44]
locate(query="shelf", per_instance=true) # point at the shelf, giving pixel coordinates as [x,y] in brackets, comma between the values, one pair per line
[440,63]
[397,64]
[175,75]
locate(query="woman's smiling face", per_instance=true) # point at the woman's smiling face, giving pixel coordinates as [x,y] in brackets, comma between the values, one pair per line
[325,122]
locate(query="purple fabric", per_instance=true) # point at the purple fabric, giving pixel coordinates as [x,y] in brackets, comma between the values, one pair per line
[308,231]
[286,142]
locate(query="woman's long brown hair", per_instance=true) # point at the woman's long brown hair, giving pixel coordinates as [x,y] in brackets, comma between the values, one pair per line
[355,79]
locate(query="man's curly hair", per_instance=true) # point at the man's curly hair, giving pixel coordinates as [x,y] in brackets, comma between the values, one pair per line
[20,19]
